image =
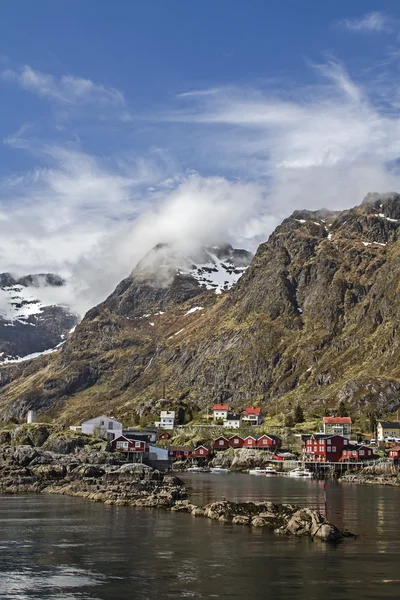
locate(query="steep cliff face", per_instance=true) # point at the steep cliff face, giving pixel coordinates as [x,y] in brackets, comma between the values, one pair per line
[313,319]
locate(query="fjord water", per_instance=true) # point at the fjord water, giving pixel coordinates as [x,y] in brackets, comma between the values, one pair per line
[55,547]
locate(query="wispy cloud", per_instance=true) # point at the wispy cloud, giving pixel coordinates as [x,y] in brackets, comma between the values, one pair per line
[67,89]
[376,22]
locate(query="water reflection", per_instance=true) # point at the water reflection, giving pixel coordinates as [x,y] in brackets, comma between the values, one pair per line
[62,548]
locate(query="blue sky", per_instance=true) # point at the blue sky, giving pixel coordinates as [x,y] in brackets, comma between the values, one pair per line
[128,123]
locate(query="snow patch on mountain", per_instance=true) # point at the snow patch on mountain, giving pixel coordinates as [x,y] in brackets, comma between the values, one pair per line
[220,269]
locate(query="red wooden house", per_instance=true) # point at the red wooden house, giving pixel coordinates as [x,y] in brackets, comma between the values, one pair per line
[201,452]
[221,443]
[124,444]
[269,441]
[324,448]
[163,436]
[357,452]
[236,441]
[179,452]
[394,452]
[250,442]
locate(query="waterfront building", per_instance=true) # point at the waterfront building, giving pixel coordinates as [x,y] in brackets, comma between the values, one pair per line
[103,426]
[236,441]
[357,452]
[221,443]
[179,452]
[250,442]
[337,425]
[324,448]
[164,436]
[135,448]
[394,453]
[269,441]
[201,452]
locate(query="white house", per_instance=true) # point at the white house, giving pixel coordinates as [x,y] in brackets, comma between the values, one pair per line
[233,421]
[220,412]
[103,426]
[252,416]
[167,419]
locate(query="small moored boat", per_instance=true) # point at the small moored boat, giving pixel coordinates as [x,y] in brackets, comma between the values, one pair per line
[299,472]
[219,470]
[263,471]
[198,470]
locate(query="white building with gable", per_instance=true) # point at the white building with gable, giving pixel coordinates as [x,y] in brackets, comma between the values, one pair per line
[103,426]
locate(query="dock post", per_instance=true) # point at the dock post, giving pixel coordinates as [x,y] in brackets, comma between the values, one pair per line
[325,502]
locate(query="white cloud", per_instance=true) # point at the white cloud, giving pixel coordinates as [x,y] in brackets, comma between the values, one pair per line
[67,89]
[376,22]
[256,155]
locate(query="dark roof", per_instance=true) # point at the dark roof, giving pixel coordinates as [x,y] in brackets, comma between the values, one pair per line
[387,424]
[271,436]
[139,437]
[233,417]
[180,449]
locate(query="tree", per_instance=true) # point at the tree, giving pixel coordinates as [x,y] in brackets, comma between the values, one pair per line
[342,410]
[372,423]
[289,421]
[298,414]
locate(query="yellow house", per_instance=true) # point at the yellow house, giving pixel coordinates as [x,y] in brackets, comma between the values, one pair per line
[388,429]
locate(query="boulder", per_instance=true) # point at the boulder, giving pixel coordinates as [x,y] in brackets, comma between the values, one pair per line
[23,455]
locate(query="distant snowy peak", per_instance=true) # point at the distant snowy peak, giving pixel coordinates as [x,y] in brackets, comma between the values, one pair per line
[33,318]
[219,268]
[212,267]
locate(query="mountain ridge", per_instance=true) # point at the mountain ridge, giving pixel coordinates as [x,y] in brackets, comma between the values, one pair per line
[313,319]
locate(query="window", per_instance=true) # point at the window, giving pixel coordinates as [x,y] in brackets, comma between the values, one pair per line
[361,452]
[110,424]
[328,442]
[201,451]
[101,422]
[137,444]
[221,442]
[265,441]
[333,448]
[235,441]
[344,442]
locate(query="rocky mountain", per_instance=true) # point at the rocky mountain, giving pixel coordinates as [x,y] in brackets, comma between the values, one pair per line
[313,319]
[29,326]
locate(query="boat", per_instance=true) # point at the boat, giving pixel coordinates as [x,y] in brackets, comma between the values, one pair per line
[299,472]
[263,471]
[270,471]
[219,470]
[198,470]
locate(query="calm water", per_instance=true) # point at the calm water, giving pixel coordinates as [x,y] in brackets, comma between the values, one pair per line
[62,548]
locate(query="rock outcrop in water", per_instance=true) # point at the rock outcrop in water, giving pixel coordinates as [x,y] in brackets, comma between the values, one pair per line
[102,477]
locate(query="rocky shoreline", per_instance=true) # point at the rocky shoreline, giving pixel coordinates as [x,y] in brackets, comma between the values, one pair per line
[372,476]
[101,477]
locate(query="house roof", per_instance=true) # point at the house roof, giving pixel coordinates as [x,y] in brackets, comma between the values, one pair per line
[395,448]
[275,438]
[221,437]
[233,417]
[357,447]
[198,448]
[252,411]
[250,437]
[221,407]
[236,436]
[337,420]
[95,419]
[180,449]
[388,424]
[127,439]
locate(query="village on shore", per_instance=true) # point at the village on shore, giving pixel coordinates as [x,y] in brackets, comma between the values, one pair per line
[333,445]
